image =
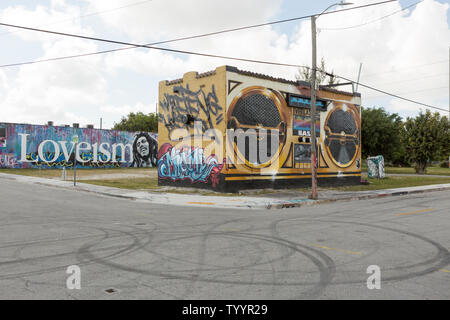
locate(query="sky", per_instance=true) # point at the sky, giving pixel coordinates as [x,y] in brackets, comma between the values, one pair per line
[405,53]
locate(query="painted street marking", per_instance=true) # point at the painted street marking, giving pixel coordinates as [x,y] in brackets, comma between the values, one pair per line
[415,212]
[443,270]
[207,203]
[335,249]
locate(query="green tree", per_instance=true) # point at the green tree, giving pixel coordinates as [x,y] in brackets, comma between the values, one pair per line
[381,135]
[305,74]
[138,122]
[426,139]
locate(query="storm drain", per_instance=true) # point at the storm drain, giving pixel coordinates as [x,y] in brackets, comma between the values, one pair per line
[111,290]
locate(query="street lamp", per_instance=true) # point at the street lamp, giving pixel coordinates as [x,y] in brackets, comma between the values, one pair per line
[313,99]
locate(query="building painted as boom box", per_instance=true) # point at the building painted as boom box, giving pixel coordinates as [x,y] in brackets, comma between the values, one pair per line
[230,129]
[48,146]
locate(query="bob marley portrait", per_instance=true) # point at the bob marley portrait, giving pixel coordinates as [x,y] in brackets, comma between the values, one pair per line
[145,151]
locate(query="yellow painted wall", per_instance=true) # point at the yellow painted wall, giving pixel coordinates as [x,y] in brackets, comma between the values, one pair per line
[212,97]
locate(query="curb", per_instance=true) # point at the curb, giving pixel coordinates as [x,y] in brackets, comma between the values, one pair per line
[80,188]
[294,204]
[252,204]
[67,187]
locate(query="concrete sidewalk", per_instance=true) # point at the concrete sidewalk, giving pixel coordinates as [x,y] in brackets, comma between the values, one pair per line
[283,199]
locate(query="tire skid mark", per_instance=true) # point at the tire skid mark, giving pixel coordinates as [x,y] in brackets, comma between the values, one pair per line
[326,268]
[439,261]
[284,261]
[202,254]
[79,262]
[376,248]
[214,267]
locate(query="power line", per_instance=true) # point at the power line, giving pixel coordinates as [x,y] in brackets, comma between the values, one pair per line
[174,51]
[205,54]
[411,92]
[421,78]
[372,21]
[405,68]
[132,46]
[387,93]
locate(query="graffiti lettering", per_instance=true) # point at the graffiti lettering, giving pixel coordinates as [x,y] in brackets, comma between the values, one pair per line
[87,157]
[57,157]
[188,163]
[7,160]
[181,109]
[35,146]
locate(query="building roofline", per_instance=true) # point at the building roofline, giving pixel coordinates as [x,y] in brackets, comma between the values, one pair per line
[295,83]
[64,127]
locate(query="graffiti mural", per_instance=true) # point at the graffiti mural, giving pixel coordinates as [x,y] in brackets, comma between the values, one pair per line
[184,106]
[145,150]
[188,163]
[301,124]
[7,160]
[34,146]
[262,125]
[302,153]
[2,136]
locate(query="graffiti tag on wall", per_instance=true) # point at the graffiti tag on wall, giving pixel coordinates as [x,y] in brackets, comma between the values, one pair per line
[188,163]
[181,109]
[102,160]
[7,160]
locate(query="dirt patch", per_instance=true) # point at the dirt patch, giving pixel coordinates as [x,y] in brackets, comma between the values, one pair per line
[109,176]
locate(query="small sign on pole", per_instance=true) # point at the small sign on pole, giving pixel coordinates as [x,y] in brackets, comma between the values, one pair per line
[75,141]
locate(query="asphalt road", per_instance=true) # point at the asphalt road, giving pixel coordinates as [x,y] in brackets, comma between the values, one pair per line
[142,251]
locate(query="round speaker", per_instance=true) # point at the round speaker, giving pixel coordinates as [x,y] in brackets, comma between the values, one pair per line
[342,129]
[257,110]
[258,113]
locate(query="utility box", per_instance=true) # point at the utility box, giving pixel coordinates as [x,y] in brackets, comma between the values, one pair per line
[375,167]
[229,129]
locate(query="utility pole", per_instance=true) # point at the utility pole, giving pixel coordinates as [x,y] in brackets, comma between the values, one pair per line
[313,101]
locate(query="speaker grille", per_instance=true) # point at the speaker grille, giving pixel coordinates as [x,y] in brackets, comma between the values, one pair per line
[342,136]
[341,120]
[343,153]
[257,109]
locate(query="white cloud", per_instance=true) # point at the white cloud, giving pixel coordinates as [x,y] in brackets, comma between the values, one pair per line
[411,38]
[150,62]
[63,91]
[124,110]
[3,84]
[84,89]
[162,19]
[59,16]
